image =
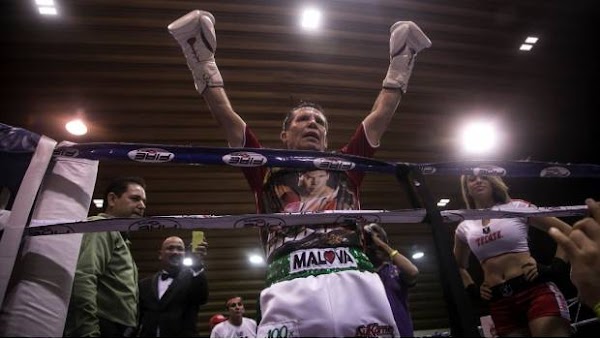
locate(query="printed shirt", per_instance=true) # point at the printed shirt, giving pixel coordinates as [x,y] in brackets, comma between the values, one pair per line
[290,190]
[498,237]
[226,329]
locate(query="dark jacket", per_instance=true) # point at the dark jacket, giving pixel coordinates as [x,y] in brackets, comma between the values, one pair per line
[176,312]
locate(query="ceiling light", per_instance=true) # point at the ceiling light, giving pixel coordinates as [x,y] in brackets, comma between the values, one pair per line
[311,18]
[45,3]
[256,259]
[526,47]
[76,127]
[418,255]
[99,203]
[47,10]
[479,137]
[531,40]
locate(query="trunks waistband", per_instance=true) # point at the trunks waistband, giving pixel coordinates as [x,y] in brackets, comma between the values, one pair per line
[512,286]
[316,261]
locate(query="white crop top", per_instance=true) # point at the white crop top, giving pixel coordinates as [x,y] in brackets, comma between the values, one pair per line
[500,236]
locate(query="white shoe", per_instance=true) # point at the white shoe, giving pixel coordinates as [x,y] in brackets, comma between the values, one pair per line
[195,33]
[406,40]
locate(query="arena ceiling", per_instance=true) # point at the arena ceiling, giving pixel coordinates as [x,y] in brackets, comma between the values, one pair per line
[114,63]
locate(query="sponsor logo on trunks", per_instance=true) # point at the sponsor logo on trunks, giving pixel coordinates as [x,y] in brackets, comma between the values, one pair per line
[154,224]
[259,222]
[374,330]
[489,170]
[280,332]
[489,238]
[321,258]
[244,159]
[150,155]
[66,152]
[287,329]
[555,172]
[506,290]
[333,164]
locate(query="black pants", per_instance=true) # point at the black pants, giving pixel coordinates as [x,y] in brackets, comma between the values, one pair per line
[111,329]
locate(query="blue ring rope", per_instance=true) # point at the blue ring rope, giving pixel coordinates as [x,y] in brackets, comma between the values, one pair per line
[253,157]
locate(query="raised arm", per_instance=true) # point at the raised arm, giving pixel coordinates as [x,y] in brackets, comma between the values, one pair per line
[195,33]
[410,272]
[406,40]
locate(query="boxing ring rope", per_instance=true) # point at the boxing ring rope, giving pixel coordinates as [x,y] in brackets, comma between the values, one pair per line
[331,217]
[410,174]
[249,157]
[575,322]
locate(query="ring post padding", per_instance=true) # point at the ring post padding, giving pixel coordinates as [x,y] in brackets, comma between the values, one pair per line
[21,208]
[37,305]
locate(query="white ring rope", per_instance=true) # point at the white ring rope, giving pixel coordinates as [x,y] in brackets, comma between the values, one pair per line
[343,217]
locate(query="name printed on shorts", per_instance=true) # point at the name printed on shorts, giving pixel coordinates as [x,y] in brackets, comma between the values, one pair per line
[374,330]
[321,258]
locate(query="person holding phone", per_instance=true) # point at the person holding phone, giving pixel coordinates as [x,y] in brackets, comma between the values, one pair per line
[170,298]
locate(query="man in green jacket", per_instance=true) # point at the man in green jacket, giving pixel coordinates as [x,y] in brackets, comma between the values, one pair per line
[105,288]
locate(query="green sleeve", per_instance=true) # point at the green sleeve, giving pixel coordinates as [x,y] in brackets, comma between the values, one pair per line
[94,256]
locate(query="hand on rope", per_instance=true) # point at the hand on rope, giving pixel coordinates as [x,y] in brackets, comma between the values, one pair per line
[582,247]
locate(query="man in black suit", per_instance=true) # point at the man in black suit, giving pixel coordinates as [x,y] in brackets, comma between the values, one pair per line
[169,299]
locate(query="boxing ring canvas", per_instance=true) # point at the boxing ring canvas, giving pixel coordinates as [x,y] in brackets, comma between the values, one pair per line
[36,301]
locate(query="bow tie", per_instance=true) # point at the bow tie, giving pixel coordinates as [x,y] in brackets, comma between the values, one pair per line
[164,275]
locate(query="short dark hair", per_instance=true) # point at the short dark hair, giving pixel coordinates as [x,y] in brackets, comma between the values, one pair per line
[289,116]
[119,185]
[227,301]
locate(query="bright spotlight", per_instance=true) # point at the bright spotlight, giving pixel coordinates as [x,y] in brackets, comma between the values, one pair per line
[418,255]
[187,261]
[479,137]
[49,3]
[76,127]
[311,18]
[47,10]
[255,259]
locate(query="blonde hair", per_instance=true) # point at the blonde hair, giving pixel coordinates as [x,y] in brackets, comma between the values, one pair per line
[499,189]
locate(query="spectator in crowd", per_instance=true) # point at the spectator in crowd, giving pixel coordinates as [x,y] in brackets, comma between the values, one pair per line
[236,326]
[397,273]
[104,299]
[170,299]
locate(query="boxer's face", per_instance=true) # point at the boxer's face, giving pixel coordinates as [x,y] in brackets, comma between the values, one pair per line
[307,130]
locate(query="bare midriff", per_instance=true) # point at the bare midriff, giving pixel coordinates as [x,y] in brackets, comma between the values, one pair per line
[503,267]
